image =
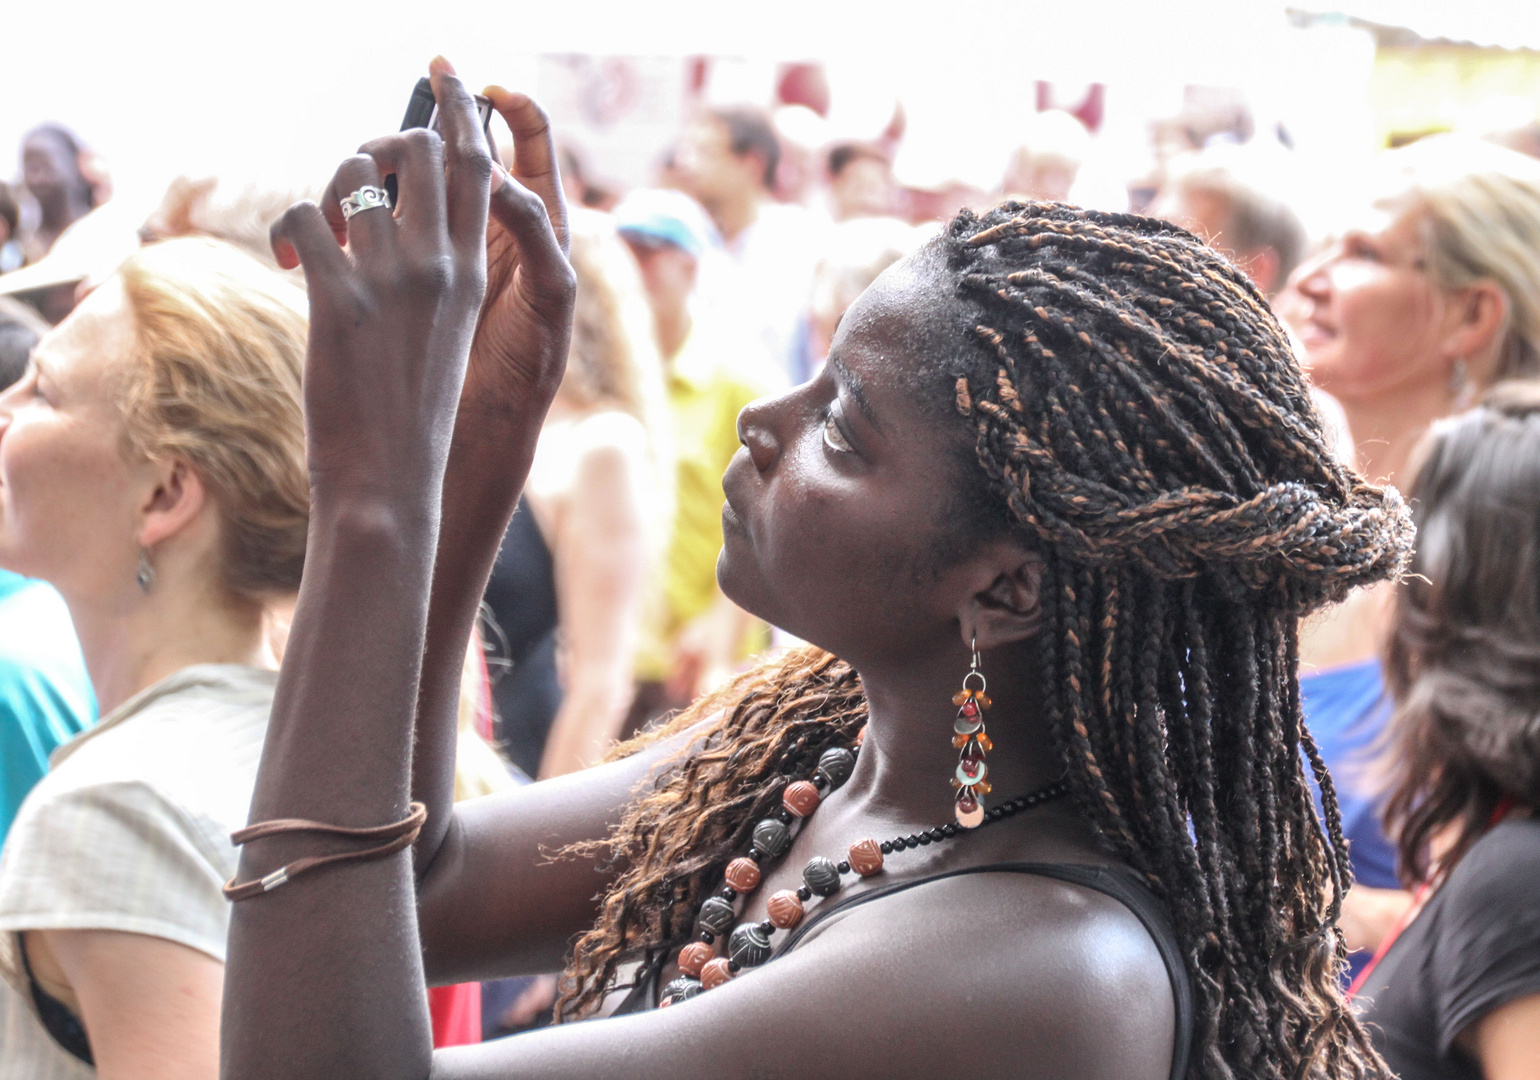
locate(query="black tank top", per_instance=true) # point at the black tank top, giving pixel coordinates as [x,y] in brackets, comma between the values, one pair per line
[521,597]
[1118,882]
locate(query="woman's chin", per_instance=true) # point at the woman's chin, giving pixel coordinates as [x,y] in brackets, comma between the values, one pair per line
[27,558]
[9,558]
[736,585]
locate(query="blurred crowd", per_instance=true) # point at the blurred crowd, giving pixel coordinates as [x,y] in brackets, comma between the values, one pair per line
[1418,321]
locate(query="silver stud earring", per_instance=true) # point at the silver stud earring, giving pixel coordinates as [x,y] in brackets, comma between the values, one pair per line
[146,575]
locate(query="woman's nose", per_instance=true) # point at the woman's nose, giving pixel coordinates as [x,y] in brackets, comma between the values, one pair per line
[1313,279]
[754,432]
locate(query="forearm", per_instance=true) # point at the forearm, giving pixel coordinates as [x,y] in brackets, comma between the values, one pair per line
[481,490]
[324,974]
[421,310]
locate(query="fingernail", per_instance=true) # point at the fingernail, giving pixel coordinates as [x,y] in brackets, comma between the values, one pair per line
[499,175]
[439,66]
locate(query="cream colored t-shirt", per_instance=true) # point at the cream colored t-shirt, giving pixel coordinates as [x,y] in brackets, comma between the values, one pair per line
[130,830]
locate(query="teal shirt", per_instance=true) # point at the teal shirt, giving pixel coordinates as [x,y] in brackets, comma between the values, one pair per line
[45,697]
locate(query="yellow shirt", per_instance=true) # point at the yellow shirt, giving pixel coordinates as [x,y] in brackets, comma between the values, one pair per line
[709,382]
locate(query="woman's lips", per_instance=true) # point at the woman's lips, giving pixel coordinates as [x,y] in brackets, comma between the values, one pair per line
[1315,334]
[730,519]
[733,478]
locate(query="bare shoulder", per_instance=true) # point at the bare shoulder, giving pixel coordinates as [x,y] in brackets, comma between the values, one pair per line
[1051,978]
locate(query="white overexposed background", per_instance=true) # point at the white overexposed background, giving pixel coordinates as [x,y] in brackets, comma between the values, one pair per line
[278,91]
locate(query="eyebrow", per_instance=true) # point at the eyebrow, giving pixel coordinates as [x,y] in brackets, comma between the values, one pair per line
[857,390]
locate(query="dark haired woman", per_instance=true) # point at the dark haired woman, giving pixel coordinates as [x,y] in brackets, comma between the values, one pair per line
[1063,451]
[1457,993]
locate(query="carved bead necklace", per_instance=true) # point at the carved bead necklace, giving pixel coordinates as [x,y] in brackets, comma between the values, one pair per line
[700,968]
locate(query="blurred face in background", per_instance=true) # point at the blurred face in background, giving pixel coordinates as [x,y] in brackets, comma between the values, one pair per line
[1207,213]
[668,273]
[68,492]
[1368,314]
[48,169]
[863,188]
[706,167]
[1204,213]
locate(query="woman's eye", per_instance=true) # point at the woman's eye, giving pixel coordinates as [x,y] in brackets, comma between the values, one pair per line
[834,436]
[1359,249]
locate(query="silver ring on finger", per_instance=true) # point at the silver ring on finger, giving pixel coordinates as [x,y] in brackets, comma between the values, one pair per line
[367,197]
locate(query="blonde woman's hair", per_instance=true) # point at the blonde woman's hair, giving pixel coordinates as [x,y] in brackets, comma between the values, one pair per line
[1481,205]
[216,381]
[613,360]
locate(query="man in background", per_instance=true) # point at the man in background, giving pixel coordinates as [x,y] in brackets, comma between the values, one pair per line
[727,160]
[712,373]
[45,697]
[1223,195]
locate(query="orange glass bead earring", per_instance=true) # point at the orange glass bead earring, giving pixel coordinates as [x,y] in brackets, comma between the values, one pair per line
[972,742]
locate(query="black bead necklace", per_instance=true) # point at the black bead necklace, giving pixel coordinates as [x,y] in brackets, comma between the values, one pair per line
[748,945]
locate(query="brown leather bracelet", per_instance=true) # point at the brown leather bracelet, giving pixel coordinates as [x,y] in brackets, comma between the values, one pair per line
[397,836]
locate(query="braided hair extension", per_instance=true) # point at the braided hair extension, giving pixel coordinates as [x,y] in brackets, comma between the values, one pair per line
[1136,409]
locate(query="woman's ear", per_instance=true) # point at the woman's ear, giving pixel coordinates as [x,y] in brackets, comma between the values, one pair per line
[1478,315]
[1010,607]
[174,500]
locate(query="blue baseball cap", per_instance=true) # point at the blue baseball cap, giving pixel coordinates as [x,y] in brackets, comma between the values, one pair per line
[660,216]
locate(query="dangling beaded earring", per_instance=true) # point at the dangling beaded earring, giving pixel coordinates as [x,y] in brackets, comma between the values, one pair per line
[146,575]
[970,738]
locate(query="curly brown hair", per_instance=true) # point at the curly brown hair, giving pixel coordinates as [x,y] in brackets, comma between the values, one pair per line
[1139,420]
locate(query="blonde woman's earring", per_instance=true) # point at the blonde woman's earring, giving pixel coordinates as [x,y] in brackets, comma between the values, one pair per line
[146,574]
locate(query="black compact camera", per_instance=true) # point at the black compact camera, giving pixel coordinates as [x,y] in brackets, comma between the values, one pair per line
[422,112]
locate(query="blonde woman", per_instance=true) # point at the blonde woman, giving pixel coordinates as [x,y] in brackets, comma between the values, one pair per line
[152,468]
[571,581]
[1433,297]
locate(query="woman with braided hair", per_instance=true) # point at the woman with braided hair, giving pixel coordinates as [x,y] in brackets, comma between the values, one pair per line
[1061,451]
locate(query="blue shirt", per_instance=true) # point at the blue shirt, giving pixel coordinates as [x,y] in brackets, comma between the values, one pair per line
[45,697]
[1346,709]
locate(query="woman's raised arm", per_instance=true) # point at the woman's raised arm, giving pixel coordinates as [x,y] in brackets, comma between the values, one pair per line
[516,363]
[324,974]
[490,903]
